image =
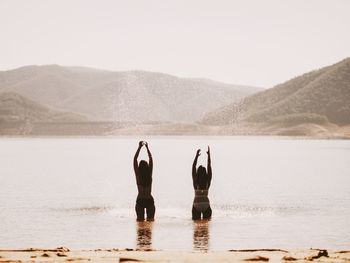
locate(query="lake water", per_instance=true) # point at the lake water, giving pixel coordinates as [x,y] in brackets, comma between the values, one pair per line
[265,193]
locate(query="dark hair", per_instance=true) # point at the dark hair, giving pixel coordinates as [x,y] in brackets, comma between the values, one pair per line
[202,177]
[145,174]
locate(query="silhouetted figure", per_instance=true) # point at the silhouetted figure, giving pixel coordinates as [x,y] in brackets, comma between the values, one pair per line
[201,183]
[143,173]
[144,235]
[201,235]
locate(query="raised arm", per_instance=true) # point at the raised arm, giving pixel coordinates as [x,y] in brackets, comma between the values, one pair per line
[136,167]
[194,168]
[150,159]
[209,167]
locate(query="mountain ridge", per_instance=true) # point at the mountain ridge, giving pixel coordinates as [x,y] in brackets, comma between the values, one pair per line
[324,92]
[15,107]
[134,95]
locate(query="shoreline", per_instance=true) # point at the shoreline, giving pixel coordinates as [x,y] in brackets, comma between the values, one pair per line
[86,129]
[182,136]
[63,254]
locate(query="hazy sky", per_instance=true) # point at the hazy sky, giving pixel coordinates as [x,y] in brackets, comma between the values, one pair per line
[253,42]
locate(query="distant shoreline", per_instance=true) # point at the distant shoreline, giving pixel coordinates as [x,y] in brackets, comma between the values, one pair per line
[274,137]
[86,129]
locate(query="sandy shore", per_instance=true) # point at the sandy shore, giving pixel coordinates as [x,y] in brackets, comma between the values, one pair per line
[128,255]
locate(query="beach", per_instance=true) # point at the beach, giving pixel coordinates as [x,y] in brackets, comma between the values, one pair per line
[174,131]
[128,255]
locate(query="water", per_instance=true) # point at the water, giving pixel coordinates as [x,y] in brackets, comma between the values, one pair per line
[265,193]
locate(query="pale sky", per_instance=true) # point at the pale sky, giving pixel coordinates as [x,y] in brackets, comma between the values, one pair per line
[251,42]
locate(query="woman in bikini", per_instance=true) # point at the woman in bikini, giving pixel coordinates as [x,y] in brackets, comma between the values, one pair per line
[201,183]
[143,173]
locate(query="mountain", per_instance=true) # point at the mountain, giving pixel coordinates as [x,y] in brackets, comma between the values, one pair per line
[49,85]
[318,97]
[17,108]
[130,96]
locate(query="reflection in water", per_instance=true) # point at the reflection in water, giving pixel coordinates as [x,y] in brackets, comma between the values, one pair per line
[201,235]
[144,235]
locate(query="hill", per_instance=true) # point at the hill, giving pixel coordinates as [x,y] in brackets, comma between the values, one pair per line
[317,97]
[49,85]
[130,96]
[17,108]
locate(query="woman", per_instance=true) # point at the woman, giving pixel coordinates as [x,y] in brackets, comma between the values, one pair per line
[143,173]
[201,183]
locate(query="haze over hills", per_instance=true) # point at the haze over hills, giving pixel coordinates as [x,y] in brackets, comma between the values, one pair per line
[319,97]
[55,100]
[131,96]
[49,85]
[16,108]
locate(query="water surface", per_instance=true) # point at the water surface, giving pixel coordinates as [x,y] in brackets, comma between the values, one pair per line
[265,192]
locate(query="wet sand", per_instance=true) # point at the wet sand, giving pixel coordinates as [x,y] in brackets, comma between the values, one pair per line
[129,255]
